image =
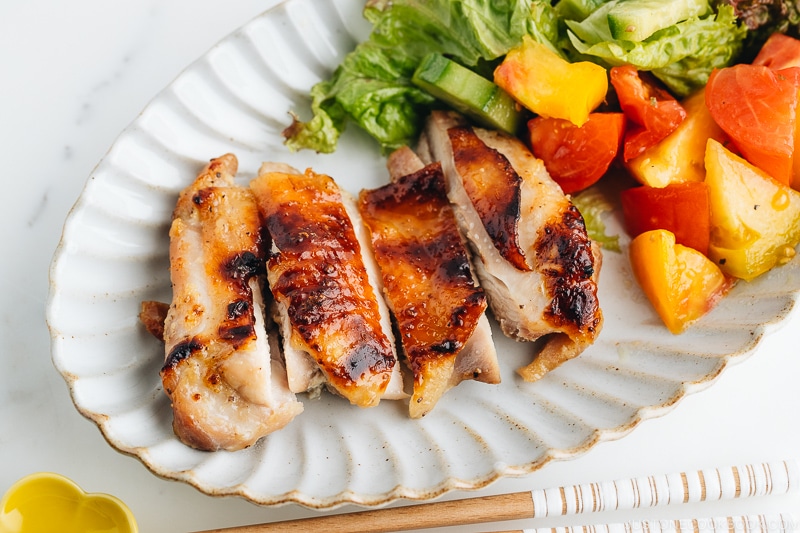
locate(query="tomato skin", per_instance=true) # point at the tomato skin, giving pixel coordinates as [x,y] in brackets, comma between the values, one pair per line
[681,283]
[576,157]
[550,86]
[680,208]
[755,219]
[680,156]
[763,130]
[779,52]
[652,112]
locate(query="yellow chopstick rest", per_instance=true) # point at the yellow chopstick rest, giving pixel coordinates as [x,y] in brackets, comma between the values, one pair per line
[45,502]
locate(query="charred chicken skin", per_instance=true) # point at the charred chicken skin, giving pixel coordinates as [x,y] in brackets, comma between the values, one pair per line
[429,285]
[532,253]
[227,386]
[326,288]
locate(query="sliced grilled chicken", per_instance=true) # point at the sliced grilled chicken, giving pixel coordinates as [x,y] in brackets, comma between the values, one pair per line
[478,358]
[533,256]
[336,326]
[428,283]
[228,388]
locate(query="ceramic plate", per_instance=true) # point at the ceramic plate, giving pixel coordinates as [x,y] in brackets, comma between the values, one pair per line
[236,98]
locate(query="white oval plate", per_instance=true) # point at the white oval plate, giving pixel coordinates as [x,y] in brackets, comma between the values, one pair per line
[113,255]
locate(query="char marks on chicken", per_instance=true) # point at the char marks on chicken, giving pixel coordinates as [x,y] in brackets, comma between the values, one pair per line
[336,327]
[428,282]
[226,383]
[532,254]
[494,190]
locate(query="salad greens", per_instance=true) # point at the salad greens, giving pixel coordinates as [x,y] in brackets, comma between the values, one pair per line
[593,205]
[762,18]
[681,55]
[372,87]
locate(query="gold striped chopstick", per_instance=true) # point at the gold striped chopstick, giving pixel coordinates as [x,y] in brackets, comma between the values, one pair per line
[625,494]
[772,523]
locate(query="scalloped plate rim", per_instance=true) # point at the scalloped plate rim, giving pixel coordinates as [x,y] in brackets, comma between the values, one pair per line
[399,492]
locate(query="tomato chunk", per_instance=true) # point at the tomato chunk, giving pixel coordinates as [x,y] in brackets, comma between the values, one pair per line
[576,157]
[680,156]
[757,107]
[653,113]
[550,86]
[681,208]
[681,283]
[779,52]
[755,219]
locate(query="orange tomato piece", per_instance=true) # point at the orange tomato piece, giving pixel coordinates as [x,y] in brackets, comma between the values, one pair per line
[757,107]
[577,156]
[550,86]
[778,52]
[681,283]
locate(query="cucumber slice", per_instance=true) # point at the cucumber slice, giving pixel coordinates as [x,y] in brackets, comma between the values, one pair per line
[467,92]
[636,20]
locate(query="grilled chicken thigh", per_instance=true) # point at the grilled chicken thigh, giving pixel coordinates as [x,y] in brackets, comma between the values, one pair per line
[227,387]
[336,326]
[428,282]
[532,253]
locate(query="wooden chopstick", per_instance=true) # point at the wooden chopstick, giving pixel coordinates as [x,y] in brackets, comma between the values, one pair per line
[457,512]
[702,485]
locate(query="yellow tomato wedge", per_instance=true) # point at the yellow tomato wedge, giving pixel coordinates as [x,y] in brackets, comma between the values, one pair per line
[680,156]
[755,219]
[681,283]
[550,86]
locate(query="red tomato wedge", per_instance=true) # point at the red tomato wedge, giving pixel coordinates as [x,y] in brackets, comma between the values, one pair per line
[757,107]
[576,157]
[653,113]
[681,208]
[779,52]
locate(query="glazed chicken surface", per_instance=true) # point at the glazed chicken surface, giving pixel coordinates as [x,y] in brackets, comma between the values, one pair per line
[226,382]
[428,281]
[533,256]
[336,327]
[291,285]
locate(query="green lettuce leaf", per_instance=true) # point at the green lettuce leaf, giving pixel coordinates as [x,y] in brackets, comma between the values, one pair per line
[576,10]
[593,29]
[593,205]
[372,87]
[682,55]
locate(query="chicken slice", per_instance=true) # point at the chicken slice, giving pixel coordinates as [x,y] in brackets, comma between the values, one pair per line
[227,387]
[429,284]
[540,269]
[336,327]
[478,358]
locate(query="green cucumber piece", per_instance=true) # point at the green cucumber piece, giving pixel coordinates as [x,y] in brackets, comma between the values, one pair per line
[636,20]
[467,92]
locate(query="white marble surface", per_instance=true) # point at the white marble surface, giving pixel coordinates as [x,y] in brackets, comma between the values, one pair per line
[74,74]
